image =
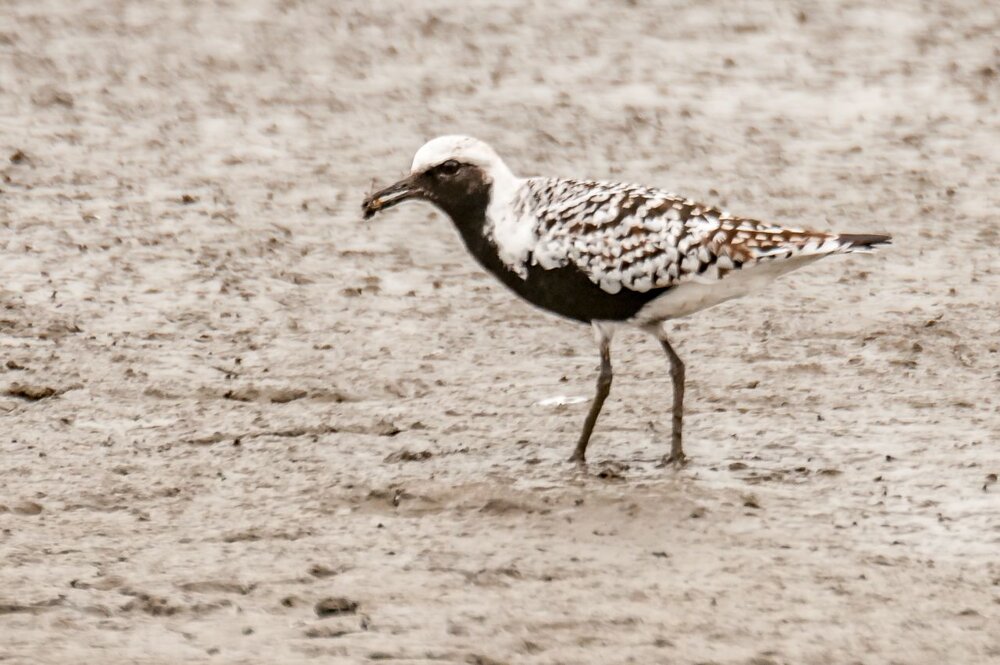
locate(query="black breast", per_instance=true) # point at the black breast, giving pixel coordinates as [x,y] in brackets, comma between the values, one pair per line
[565,291]
[568,292]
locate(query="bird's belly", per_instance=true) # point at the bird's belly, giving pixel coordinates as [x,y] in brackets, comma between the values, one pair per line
[685,299]
[691,297]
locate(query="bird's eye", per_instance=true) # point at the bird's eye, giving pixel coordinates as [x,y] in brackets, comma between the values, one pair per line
[450,167]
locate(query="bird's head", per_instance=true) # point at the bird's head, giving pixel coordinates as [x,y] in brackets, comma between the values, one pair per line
[452,172]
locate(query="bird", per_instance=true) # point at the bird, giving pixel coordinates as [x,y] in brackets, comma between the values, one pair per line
[608,254]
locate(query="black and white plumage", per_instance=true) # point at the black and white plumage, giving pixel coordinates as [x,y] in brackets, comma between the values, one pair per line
[605,253]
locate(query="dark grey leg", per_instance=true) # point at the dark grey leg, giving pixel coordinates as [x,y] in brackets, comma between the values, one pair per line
[676,455]
[603,336]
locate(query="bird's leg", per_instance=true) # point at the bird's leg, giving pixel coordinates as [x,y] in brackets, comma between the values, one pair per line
[676,455]
[603,335]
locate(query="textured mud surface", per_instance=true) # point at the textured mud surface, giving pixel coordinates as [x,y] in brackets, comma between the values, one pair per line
[239,425]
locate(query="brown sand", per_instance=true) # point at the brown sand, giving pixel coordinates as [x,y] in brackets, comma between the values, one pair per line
[226,399]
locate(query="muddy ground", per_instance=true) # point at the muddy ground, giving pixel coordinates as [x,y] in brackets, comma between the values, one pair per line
[225,399]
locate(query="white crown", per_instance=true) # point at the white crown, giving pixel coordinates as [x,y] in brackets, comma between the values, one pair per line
[463,149]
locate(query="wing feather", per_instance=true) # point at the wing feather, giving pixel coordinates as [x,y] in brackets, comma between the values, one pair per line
[638,238]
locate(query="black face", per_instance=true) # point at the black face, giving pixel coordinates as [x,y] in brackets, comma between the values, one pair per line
[455,187]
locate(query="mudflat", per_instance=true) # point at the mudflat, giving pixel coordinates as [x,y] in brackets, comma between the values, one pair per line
[238,424]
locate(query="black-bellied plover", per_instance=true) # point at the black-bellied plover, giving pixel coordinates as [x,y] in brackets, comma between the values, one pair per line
[605,253]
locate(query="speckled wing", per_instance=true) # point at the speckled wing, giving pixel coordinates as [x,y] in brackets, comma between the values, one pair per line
[637,238]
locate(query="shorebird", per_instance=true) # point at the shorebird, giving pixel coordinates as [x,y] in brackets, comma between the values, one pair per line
[605,253]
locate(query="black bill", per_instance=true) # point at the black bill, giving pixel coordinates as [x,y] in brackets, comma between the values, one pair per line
[390,196]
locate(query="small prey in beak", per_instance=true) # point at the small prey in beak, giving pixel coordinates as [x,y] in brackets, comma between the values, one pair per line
[405,189]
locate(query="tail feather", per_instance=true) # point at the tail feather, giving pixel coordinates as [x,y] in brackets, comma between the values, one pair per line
[863,242]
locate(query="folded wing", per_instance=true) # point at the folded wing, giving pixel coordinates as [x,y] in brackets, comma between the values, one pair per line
[637,238]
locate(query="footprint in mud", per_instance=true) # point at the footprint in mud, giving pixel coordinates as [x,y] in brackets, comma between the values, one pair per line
[32,392]
[328,632]
[611,470]
[320,571]
[24,508]
[501,506]
[406,455]
[211,586]
[335,606]
[160,606]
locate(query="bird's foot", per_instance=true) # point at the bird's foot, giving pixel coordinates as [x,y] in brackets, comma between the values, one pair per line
[578,459]
[675,459]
